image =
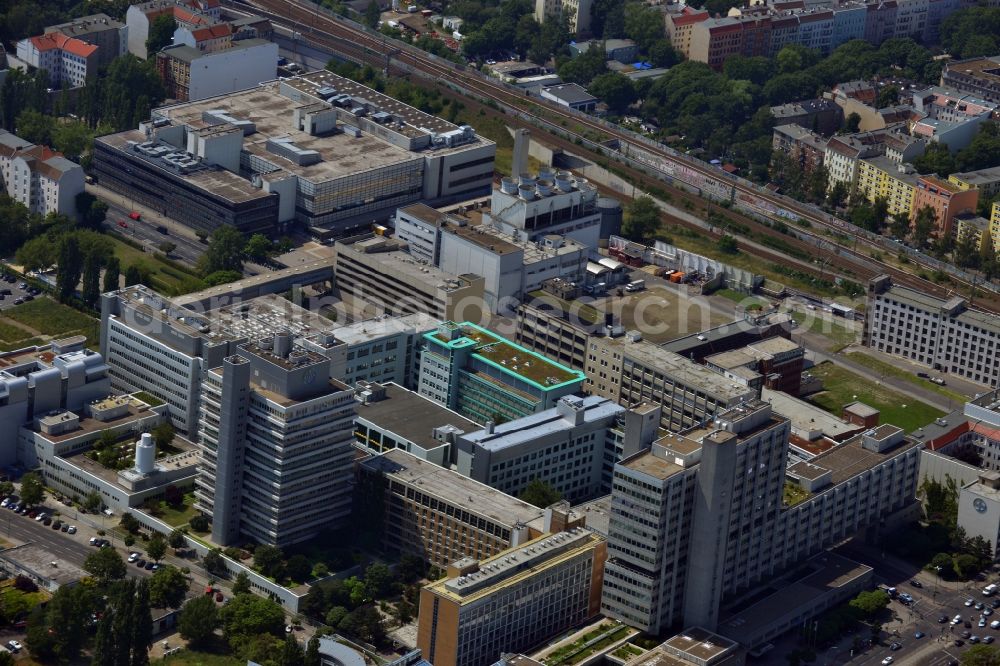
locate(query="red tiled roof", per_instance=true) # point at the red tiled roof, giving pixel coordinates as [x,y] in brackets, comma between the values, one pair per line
[187,16]
[57,40]
[212,32]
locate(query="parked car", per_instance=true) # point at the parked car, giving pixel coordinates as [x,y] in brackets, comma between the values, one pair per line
[65,528]
[916,583]
[14,646]
[56,524]
[133,557]
[988,639]
[72,529]
[919,634]
[938,381]
[895,646]
[140,563]
[47,521]
[888,660]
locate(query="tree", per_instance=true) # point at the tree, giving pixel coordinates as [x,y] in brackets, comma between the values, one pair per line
[987,256]
[112,275]
[852,123]
[364,622]
[642,219]
[198,620]
[643,25]
[36,127]
[267,559]
[133,275]
[176,539]
[106,565]
[540,493]
[221,277]
[291,652]
[936,159]
[92,502]
[161,33]
[224,252]
[199,523]
[372,15]
[157,547]
[981,655]
[899,225]
[966,254]
[91,210]
[837,194]
[298,568]
[142,627]
[583,68]
[924,224]
[32,489]
[870,603]
[129,523]
[241,584]
[214,563]
[167,587]
[336,615]
[250,615]
[258,248]
[163,434]
[70,266]
[173,496]
[614,89]
[311,657]
[728,244]
[378,581]
[6,488]
[91,288]
[411,568]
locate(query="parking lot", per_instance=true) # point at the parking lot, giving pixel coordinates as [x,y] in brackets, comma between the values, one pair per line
[14,292]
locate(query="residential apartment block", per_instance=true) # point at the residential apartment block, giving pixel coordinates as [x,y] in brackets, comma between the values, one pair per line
[38,177]
[946,335]
[276,442]
[68,60]
[576,13]
[319,150]
[190,73]
[946,199]
[486,377]
[948,116]
[975,76]
[511,601]
[632,371]
[843,154]
[805,148]
[187,14]
[987,181]
[700,518]
[765,30]
[880,177]
[438,514]
[108,35]
[572,447]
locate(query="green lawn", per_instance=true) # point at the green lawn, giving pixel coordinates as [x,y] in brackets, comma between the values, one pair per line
[148,398]
[841,386]
[794,494]
[163,276]
[177,517]
[14,337]
[891,370]
[194,658]
[50,318]
[839,334]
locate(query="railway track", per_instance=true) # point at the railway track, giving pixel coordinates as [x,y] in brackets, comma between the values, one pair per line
[340,36]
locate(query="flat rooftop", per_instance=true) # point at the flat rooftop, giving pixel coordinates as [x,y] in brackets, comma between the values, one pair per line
[850,459]
[681,369]
[926,302]
[701,644]
[221,183]
[651,465]
[453,488]
[43,563]
[806,417]
[597,513]
[396,259]
[187,456]
[509,357]
[412,416]
[548,422]
[136,412]
[272,113]
[264,316]
[372,329]
[820,576]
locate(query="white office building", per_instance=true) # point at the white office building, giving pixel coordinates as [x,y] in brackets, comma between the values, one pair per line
[945,335]
[572,447]
[276,441]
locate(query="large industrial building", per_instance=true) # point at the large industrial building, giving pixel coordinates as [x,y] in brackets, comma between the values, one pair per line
[320,151]
[701,517]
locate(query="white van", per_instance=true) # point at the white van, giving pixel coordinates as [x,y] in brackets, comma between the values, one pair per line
[989,590]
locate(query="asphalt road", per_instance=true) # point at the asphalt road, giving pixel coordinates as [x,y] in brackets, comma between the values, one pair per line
[69,547]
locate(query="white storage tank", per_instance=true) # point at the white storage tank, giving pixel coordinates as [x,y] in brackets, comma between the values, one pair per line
[145,454]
